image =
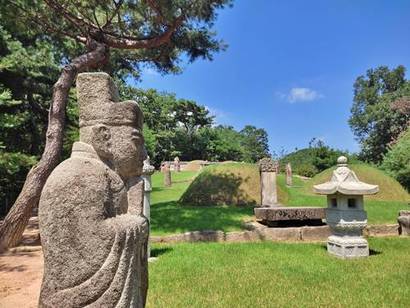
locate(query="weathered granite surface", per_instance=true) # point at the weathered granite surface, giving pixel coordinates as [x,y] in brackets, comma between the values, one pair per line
[269,193]
[266,165]
[404,222]
[167,175]
[274,214]
[289,180]
[93,233]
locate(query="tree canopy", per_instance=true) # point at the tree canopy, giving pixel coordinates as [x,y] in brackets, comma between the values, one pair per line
[397,161]
[149,32]
[184,128]
[378,114]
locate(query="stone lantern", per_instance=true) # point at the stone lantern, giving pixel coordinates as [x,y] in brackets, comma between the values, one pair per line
[345,212]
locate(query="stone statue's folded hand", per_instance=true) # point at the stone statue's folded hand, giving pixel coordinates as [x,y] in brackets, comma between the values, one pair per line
[136,224]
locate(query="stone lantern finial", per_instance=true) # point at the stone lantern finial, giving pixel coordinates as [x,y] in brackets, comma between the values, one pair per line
[345,212]
[342,161]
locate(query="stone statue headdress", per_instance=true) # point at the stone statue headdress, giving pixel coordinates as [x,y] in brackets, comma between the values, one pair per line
[99,103]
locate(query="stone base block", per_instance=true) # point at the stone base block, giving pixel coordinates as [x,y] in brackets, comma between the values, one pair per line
[319,233]
[347,247]
[290,216]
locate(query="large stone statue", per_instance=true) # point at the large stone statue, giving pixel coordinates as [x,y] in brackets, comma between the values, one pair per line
[93,232]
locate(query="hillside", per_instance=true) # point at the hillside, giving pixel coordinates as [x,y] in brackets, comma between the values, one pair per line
[390,189]
[227,184]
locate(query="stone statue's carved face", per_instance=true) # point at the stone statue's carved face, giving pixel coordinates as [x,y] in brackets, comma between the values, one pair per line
[123,146]
[128,150]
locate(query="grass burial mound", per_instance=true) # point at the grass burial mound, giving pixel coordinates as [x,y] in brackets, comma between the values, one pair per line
[226,184]
[389,188]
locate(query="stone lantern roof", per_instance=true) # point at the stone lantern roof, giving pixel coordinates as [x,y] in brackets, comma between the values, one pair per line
[345,181]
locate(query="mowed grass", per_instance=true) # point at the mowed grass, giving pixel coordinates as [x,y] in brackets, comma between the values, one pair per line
[278,275]
[168,216]
[378,211]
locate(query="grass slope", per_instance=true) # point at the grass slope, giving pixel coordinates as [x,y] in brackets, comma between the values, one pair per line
[228,184]
[278,275]
[169,216]
[390,189]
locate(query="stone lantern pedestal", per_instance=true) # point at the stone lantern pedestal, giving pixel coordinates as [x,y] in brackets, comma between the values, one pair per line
[345,212]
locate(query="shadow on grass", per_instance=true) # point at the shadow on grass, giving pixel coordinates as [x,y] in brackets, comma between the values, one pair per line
[374,252]
[171,217]
[156,252]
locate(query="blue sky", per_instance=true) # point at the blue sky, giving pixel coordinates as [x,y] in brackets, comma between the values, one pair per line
[290,66]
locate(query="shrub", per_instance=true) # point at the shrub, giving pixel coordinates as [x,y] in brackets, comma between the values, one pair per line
[306,170]
[397,160]
[13,170]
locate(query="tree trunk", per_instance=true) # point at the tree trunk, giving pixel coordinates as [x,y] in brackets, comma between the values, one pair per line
[11,230]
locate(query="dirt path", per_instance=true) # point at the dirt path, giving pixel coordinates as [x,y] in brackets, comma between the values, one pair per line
[20,279]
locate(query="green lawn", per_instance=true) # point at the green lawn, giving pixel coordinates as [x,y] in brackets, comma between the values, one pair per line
[168,216]
[378,212]
[278,275]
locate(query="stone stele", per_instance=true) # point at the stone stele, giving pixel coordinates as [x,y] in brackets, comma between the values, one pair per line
[93,233]
[269,194]
[289,174]
[167,175]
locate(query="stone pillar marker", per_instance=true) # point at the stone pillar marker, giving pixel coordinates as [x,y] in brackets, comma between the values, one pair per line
[147,171]
[93,232]
[345,212]
[167,175]
[277,166]
[269,195]
[177,165]
[289,174]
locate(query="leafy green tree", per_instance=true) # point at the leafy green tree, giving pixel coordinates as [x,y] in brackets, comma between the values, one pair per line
[14,164]
[28,66]
[225,144]
[397,160]
[373,119]
[175,123]
[110,33]
[189,140]
[254,143]
[323,156]
[314,159]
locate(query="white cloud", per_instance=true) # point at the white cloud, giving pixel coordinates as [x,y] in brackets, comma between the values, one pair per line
[301,95]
